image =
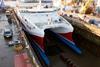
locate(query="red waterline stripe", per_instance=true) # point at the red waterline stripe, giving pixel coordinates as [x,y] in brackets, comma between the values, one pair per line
[67,35]
[39,40]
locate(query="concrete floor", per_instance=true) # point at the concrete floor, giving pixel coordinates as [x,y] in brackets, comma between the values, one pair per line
[6,53]
[85,60]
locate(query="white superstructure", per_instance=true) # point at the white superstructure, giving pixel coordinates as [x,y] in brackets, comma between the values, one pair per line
[39,20]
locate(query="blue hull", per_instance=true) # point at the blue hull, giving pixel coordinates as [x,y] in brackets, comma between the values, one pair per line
[65,41]
[40,53]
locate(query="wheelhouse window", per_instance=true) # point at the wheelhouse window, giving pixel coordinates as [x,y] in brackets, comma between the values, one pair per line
[29,1]
[46,1]
[47,11]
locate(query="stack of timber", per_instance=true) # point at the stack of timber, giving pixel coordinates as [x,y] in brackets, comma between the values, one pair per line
[88,31]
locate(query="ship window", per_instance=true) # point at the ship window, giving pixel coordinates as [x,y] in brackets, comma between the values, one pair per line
[26,11]
[25,20]
[33,27]
[46,6]
[56,21]
[46,1]
[29,1]
[29,27]
[60,20]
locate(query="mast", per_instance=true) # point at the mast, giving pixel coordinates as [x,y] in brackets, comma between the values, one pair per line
[39,6]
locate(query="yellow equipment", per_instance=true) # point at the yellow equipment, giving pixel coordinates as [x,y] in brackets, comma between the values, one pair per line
[86,6]
[83,9]
[18,47]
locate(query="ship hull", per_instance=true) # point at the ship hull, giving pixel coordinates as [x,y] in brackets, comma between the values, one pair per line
[40,39]
[37,31]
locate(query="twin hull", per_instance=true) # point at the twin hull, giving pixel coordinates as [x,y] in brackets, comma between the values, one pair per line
[38,34]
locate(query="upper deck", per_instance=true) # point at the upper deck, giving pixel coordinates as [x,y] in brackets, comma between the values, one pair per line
[44,15]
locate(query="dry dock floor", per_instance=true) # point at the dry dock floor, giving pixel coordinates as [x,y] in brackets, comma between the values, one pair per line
[6,52]
[87,59]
